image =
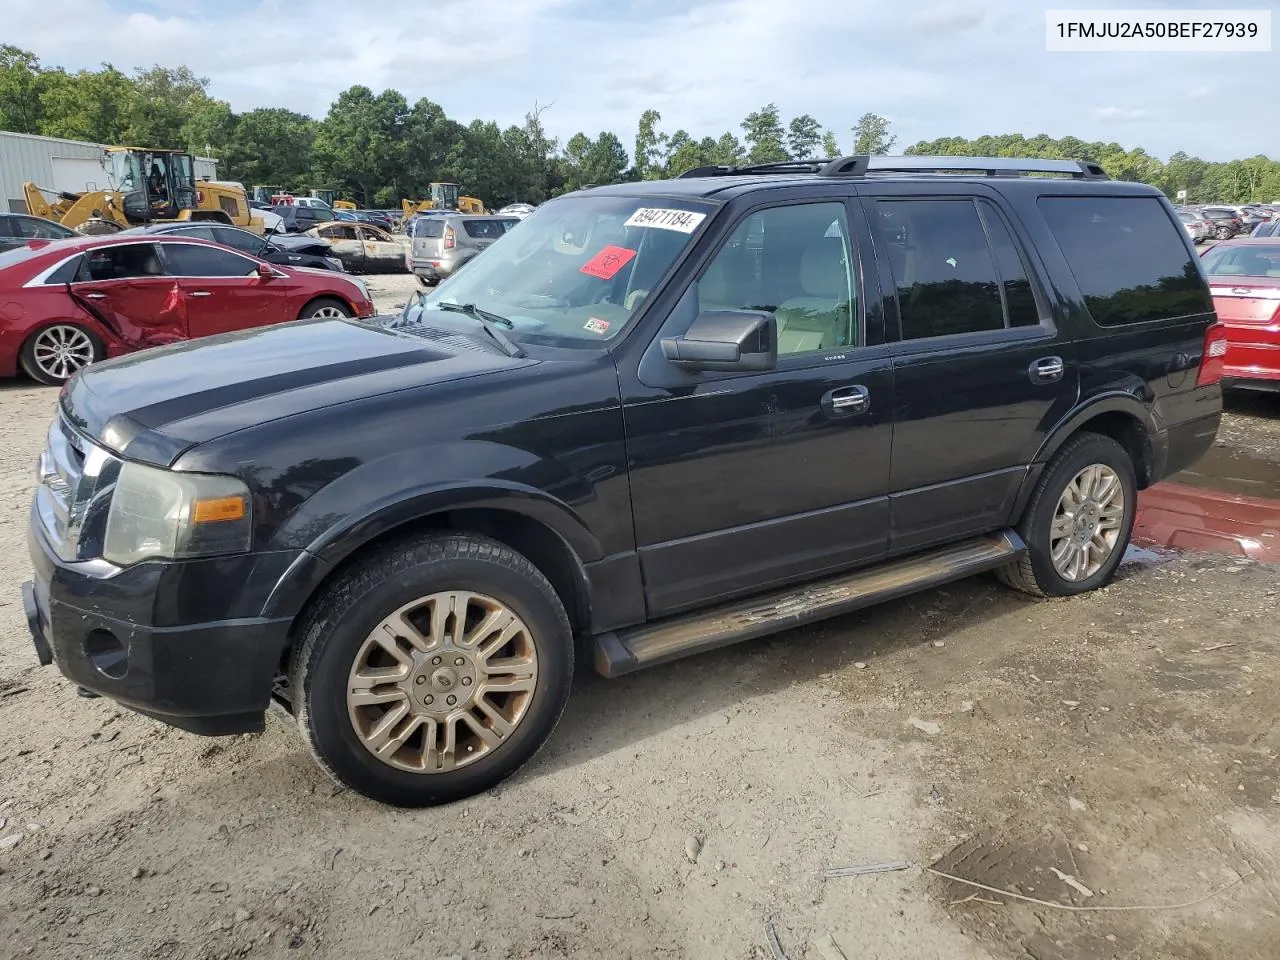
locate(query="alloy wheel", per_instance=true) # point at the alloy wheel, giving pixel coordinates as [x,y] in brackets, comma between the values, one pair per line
[59,351]
[328,313]
[442,681]
[1087,522]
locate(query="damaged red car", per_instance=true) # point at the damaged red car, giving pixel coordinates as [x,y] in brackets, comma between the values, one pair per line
[67,303]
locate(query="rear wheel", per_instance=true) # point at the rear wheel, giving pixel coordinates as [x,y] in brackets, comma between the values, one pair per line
[324,307]
[432,670]
[1078,521]
[53,354]
[1222,233]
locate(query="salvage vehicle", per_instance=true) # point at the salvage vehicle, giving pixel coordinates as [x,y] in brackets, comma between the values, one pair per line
[290,250]
[74,302]
[17,229]
[654,419]
[362,247]
[1244,278]
[439,246]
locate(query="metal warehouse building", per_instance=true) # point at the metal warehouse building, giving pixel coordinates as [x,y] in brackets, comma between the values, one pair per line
[71,165]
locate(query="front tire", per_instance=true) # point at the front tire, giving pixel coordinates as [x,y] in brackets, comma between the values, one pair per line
[432,670]
[325,308]
[54,354]
[1078,521]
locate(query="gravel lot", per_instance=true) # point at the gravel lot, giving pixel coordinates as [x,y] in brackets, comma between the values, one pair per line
[1127,739]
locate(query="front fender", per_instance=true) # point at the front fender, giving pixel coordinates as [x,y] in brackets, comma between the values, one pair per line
[388,493]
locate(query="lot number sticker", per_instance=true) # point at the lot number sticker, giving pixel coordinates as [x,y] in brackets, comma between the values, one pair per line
[682,221]
[597,326]
[607,262]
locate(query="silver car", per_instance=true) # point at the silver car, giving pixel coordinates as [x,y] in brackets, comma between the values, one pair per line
[1197,227]
[439,245]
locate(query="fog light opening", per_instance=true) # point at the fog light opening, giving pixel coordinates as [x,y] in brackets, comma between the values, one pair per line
[106,653]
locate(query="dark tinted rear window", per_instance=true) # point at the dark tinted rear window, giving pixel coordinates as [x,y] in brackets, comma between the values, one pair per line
[485,229]
[1128,257]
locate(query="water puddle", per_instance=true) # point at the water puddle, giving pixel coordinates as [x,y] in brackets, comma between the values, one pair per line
[1228,503]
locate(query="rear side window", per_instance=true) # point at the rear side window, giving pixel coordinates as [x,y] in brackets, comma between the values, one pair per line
[41,229]
[1019,300]
[943,268]
[197,260]
[1129,259]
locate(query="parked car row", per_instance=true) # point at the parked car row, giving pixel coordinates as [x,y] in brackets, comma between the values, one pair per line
[1224,221]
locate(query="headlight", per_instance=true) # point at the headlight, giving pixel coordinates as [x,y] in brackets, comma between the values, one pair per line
[364,287]
[163,513]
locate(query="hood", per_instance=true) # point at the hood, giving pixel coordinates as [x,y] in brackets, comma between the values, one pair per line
[299,241]
[154,405]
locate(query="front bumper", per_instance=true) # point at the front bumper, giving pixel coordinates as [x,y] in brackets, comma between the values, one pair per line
[113,636]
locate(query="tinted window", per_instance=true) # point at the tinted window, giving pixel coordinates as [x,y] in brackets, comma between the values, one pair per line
[68,272]
[131,260]
[1130,260]
[943,268]
[1019,300]
[240,239]
[795,262]
[202,233]
[195,260]
[37,229]
[484,229]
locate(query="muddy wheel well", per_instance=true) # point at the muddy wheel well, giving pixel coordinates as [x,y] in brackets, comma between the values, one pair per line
[1127,431]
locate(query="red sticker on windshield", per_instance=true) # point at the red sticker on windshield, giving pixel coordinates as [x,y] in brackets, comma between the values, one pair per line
[608,262]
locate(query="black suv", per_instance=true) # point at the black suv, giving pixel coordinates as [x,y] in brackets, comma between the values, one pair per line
[653,419]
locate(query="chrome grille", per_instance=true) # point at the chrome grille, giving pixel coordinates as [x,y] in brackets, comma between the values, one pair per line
[73,492]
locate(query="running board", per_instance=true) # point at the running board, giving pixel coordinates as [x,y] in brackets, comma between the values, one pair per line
[624,651]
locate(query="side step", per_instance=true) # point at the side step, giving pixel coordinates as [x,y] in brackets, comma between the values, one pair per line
[625,651]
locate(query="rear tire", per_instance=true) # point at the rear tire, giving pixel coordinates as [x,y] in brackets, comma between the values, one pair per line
[53,354]
[1223,233]
[325,307]
[1078,521]
[385,648]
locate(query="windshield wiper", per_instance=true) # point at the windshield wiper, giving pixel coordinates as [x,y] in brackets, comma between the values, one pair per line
[489,321]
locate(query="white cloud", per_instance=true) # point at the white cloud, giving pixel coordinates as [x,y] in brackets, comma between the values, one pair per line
[1120,113]
[704,64]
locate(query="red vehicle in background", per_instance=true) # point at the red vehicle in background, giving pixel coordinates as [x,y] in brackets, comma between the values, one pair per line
[68,303]
[1244,279]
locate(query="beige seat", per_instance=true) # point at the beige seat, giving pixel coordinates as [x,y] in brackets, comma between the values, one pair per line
[818,320]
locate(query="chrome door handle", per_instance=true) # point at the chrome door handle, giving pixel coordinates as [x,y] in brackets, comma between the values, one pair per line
[1047,370]
[843,401]
[200,293]
[96,296]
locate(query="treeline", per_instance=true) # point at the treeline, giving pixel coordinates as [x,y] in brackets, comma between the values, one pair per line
[379,148]
[1256,179]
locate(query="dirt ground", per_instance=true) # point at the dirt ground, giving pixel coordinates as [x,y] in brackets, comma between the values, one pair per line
[1126,740]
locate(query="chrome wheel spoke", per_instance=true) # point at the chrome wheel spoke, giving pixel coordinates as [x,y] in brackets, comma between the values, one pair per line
[441,681]
[1087,522]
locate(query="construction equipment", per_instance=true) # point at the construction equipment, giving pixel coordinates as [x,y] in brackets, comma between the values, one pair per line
[146,186]
[444,196]
[263,193]
[343,205]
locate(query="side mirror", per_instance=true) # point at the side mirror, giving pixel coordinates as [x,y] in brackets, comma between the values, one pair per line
[265,272]
[726,340]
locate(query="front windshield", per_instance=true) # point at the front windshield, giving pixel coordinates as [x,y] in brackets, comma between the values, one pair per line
[444,196]
[577,269]
[125,172]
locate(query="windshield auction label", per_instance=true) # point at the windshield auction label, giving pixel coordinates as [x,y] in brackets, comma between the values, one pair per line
[682,221]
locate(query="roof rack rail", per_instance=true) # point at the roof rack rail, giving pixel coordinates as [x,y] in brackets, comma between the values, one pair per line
[988,166]
[861,165]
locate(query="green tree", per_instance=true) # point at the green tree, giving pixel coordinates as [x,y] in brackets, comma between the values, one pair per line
[727,152]
[20,82]
[830,145]
[165,99]
[94,105]
[804,134]
[272,146]
[650,146]
[606,160]
[871,135]
[360,143]
[764,135]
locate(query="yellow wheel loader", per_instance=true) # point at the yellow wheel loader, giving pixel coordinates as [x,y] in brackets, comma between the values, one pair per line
[444,196]
[146,186]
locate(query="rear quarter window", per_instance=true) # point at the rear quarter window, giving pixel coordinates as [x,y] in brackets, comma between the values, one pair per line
[1129,258]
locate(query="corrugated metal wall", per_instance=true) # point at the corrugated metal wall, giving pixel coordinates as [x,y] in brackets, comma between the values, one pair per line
[24,157]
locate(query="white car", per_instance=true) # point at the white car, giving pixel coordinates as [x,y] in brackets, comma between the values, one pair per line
[520,210]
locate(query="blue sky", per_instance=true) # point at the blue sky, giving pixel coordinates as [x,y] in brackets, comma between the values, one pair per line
[954,68]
